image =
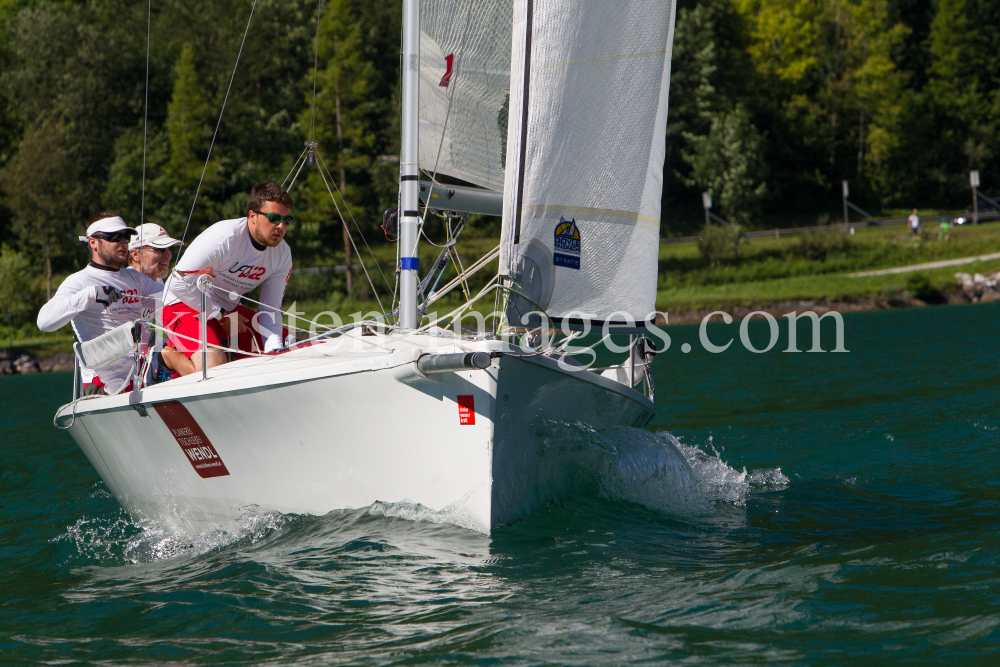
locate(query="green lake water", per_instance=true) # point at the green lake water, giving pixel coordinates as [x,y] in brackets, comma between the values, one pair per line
[840,509]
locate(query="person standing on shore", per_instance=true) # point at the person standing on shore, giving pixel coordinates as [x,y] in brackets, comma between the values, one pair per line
[101,297]
[914,222]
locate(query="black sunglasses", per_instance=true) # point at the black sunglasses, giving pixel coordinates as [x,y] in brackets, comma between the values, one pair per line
[276,218]
[114,237]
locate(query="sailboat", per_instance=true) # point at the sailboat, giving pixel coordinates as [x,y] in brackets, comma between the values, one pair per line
[556,112]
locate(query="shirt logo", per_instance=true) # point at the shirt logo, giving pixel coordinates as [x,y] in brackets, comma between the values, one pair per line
[247,271]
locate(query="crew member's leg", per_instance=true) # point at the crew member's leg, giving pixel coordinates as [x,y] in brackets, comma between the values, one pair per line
[184,325]
[250,339]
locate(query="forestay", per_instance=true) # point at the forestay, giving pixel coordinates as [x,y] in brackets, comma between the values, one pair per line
[588,119]
[464,83]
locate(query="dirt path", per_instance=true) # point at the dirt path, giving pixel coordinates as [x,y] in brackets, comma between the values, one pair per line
[927,265]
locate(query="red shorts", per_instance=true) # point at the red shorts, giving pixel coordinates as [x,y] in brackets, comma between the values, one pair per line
[97,386]
[184,325]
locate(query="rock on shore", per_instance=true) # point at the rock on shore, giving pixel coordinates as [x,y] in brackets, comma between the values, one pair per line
[980,288]
[23,363]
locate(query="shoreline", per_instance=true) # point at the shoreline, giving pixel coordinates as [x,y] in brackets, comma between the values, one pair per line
[781,308]
[21,362]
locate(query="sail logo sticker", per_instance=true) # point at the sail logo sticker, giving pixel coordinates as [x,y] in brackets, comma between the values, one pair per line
[446,79]
[566,246]
[193,441]
[466,409]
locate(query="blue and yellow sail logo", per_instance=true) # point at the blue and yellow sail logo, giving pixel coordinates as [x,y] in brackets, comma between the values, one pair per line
[566,245]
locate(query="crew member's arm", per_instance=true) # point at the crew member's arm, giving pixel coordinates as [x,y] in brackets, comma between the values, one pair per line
[269,318]
[205,253]
[175,360]
[67,304]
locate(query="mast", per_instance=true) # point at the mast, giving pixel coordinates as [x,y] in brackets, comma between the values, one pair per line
[409,212]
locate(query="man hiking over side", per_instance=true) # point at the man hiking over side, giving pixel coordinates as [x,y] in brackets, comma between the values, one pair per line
[102,296]
[240,254]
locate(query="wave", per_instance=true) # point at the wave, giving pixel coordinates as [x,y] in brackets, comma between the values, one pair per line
[654,470]
[120,539]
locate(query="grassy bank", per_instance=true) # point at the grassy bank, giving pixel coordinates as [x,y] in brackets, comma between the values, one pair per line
[767,271]
[813,267]
[816,267]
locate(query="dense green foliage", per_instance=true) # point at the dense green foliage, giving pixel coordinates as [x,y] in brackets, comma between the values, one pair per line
[773,103]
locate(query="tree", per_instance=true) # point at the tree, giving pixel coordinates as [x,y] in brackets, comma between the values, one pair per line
[729,163]
[16,294]
[356,121]
[187,114]
[41,185]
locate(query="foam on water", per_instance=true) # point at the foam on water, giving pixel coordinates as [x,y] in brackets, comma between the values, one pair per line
[456,514]
[655,470]
[121,539]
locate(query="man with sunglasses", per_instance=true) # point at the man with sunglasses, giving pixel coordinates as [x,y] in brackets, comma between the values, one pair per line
[241,255]
[150,254]
[150,251]
[101,297]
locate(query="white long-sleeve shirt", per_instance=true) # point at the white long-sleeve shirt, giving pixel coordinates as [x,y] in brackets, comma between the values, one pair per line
[74,302]
[240,265]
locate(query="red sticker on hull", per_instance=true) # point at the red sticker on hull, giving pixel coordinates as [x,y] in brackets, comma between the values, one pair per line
[199,451]
[466,409]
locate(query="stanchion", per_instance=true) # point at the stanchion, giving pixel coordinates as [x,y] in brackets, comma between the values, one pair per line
[204,283]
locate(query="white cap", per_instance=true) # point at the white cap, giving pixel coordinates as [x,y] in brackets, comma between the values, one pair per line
[153,235]
[108,226]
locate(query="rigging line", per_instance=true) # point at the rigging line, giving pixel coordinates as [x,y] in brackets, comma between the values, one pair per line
[351,237]
[145,116]
[428,239]
[218,124]
[211,345]
[312,118]
[224,291]
[461,309]
[461,272]
[304,151]
[448,234]
[473,268]
[322,162]
[290,314]
[292,184]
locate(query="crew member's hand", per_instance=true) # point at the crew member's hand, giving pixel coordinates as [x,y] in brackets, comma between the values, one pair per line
[242,322]
[106,295]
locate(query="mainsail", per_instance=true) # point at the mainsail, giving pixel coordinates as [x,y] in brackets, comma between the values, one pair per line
[585,148]
[464,83]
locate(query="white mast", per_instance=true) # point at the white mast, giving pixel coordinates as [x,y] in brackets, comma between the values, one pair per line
[409,213]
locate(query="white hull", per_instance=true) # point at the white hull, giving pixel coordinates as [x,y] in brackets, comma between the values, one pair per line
[344,424]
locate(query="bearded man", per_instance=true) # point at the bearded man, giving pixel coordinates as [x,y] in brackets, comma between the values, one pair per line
[150,251]
[101,297]
[150,254]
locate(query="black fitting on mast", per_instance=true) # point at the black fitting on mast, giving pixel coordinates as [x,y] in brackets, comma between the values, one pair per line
[310,155]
